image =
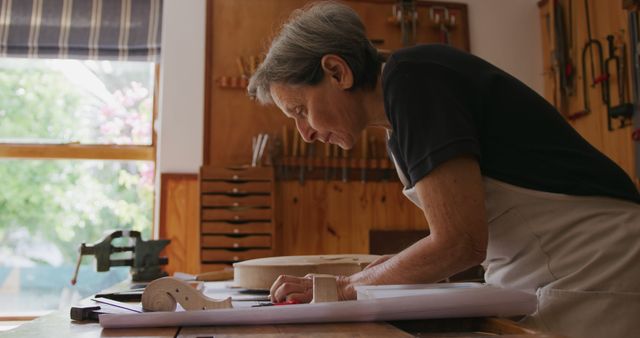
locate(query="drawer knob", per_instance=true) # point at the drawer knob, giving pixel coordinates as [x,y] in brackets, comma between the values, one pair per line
[236,258]
[236,217]
[235,204]
[236,245]
[234,190]
[235,177]
[236,231]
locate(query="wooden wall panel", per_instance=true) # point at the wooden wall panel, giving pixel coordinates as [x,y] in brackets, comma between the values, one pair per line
[240,29]
[244,28]
[179,221]
[607,17]
[336,217]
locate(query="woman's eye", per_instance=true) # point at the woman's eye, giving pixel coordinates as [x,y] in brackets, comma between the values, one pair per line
[300,112]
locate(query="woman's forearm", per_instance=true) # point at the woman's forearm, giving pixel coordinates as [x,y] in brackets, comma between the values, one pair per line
[426,261]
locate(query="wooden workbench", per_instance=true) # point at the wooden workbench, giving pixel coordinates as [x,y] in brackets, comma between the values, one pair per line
[58,324]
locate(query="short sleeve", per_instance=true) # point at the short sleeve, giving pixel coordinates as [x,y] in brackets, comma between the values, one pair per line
[430,110]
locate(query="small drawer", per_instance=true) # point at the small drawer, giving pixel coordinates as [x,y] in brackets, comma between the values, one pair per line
[230,228]
[214,267]
[236,214]
[235,201]
[230,174]
[239,241]
[232,188]
[222,255]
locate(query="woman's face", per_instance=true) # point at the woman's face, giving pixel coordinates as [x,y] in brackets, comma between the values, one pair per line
[326,112]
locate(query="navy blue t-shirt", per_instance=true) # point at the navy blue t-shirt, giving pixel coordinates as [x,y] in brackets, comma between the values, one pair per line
[444,103]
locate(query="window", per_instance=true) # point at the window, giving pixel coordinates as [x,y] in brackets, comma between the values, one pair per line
[77,157]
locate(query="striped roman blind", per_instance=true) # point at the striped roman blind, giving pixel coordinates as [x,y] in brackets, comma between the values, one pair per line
[81,29]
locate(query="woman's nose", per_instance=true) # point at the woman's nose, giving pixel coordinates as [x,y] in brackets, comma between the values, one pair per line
[307,133]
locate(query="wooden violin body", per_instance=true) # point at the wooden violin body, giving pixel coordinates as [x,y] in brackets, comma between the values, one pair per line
[259,274]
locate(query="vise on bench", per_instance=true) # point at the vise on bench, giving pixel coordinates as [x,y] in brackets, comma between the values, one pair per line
[145,261]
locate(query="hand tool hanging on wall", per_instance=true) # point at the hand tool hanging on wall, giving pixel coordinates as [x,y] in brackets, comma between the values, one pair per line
[373,151]
[295,144]
[595,78]
[335,163]
[274,154]
[327,161]
[553,70]
[363,163]
[311,154]
[285,152]
[630,5]
[263,146]
[600,79]
[254,62]
[302,159]
[442,21]
[389,163]
[634,37]
[345,165]
[571,50]
[404,13]
[242,68]
[623,111]
[259,143]
[561,55]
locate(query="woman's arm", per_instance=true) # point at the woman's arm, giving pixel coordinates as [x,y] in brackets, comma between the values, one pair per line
[452,198]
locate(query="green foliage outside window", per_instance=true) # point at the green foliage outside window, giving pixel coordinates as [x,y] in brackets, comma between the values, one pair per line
[47,206]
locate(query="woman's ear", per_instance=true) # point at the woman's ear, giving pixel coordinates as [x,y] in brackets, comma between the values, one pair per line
[338,70]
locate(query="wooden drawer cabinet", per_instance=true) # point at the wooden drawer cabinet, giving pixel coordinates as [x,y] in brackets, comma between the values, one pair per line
[236,215]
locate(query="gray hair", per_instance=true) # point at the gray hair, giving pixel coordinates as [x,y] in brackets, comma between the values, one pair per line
[311,32]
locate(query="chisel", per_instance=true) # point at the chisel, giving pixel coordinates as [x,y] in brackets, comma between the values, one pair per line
[295,143]
[334,161]
[311,154]
[242,69]
[374,155]
[345,164]
[327,160]
[285,152]
[302,158]
[363,163]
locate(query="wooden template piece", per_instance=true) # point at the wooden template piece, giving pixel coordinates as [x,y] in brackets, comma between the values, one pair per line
[162,295]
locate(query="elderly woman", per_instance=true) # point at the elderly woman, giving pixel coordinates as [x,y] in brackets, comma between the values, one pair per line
[502,179]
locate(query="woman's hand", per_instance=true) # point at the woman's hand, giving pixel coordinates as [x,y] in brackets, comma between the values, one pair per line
[300,289]
[292,288]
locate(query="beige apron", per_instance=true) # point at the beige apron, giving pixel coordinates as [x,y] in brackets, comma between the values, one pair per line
[580,255]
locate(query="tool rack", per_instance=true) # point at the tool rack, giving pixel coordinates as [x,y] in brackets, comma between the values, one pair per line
[590,60]
[332,169]
[296,160]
